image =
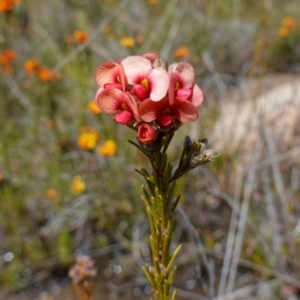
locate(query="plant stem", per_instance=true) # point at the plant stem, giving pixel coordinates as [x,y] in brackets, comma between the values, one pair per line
[160,212]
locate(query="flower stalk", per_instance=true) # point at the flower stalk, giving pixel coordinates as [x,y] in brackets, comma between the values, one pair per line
[161,204]
[155,99]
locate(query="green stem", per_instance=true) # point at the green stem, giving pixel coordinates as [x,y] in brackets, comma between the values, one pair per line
[160,211]
[161,205]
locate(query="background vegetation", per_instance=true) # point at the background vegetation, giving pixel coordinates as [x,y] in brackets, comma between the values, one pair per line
[67,179]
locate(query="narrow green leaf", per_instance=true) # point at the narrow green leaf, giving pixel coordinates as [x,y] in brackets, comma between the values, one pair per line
[145,173]
[175,203]
[168,142]
[146,193]
[157,268]
[172,275]
[149,276]
[154,248]
[176,252]
[151,221]
[174,295]
[151,185]
[140,148]
[166,249]
[146,201]
[166,289]
[169,196]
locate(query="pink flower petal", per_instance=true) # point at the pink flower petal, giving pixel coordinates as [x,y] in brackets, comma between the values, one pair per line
[113,86]
[151,56]
[186,74]
[98,92]
[132,105]
[146,133]
[140,91]
[184,94]
[159,79]
[123,117]
[197,98]
[165,121]
[110,100]
[110,73]
[136,67]
[185,111]
[105,73]
[172,88]
[150,110]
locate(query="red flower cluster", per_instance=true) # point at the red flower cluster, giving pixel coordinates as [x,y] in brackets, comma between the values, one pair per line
[148,95]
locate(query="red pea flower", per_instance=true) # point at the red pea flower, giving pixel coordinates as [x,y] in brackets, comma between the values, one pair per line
[182,84]
[114,101]
[183,110]
[111,75]
[137,89]
[165,121]
[147,81]
[146,133]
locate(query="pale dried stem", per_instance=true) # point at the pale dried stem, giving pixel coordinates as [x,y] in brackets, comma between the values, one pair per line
[272,220]
[216,76]
[176,22]
[200,248]
[231,233]
[14,88]
[93,35]
[242,221]
[279,185]
[159,26]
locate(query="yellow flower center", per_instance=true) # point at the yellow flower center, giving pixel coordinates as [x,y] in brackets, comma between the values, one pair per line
[145,83]
[124,106]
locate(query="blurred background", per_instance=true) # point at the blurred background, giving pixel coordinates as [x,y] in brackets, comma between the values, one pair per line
[67,180]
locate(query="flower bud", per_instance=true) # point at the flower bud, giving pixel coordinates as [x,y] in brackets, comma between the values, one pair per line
[187,144]
[83,270]
[123,117]
[140,91]
[165,121]
[201,158]
[199,145]
[146,133]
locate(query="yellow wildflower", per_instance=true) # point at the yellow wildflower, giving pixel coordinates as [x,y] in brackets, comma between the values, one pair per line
[51,193]
[77,185]
[88,138]
[93,108]
[80,36]
[8,56]
[7,5]
[152,2]
[108,149]
[31,66]
[283,32]
[181,52]
[289,22]
[47,75]
[127,42]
